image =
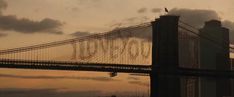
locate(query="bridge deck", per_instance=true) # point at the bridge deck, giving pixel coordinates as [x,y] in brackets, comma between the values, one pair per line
[103,67]
[63,65]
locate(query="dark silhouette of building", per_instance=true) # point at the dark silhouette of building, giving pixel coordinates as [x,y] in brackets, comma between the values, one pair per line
[188,50]
[188,58]
[214,54]
[232,80]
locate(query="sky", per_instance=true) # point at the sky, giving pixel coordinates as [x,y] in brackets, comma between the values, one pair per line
[99,15]
[71,16]
[28,22]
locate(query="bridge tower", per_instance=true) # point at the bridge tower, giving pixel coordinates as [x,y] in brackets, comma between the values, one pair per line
[165,57]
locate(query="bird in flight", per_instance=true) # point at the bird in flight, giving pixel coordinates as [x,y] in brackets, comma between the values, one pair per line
[166,10]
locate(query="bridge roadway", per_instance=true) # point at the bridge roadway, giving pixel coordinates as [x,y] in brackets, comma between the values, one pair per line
[76,66]
[103,67]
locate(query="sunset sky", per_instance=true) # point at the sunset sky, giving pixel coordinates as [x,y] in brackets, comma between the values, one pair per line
[40,21]
[70,16]
[100,15]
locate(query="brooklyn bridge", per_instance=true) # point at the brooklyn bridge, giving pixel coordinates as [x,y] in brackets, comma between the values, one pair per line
[181,60]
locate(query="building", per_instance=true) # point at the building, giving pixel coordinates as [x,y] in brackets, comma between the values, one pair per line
[214,54]
[188,50]
[188,58]
[232,80]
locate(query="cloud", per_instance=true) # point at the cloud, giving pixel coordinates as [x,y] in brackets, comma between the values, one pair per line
[122,29]
[156,10]
[142,10]
[197,18]
[24,25]
[129,22]
[28,26]
[79,33]
[21,92]
[194,17]
[106,79]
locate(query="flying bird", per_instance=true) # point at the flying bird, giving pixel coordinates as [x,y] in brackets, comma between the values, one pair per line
[166,10]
